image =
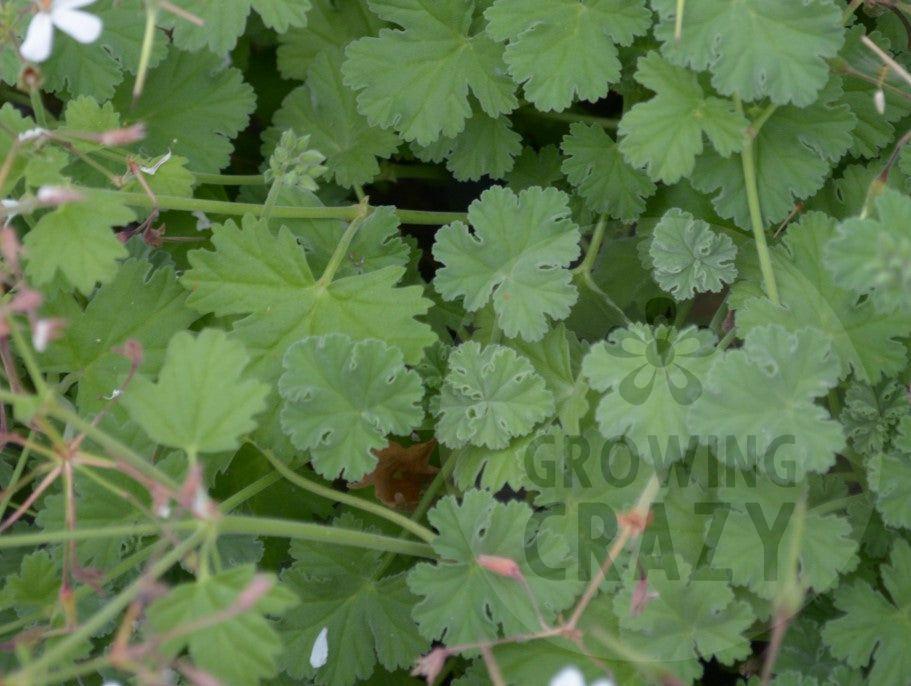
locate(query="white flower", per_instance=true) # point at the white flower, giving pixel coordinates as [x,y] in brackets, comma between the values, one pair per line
[571,676]
[66,16]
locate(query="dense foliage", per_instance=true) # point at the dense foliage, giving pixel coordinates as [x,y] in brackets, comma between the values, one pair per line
[484,341]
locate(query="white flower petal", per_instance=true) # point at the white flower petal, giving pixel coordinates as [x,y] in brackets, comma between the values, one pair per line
[319,654]
[71,4]
[568,676]
[82,26]
[203,223]
[38,40]
[155,166]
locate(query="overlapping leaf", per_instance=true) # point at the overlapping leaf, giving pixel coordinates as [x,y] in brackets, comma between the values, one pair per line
[417,79]
[864,340]
[343,397]
[872,256]
[367,620]
[664,135]
[689,258]
[463,601]
[596,168]
[325,110]
[267,278]
[203,401]
[490,395]
[217,607]
[517,257]
[544,45]
[788,65]
[875,624]
[650,377]
[757,405]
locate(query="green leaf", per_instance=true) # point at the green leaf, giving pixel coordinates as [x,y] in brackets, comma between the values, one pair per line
[192,106]
[517,257]
[757,406]
[545,50]
[225,22]
[875,625]
[536,168]
[12,123]
[874,130]
[282,14]
[650,377]
[689,619]
[331,25]
[602,177]
[872,256]
[664,135]
[492,469]
[215,647]
[863,339]
[871,414]
[399,72]
[378,244]
[764,530]
[75,240]
[139,303]
[689,257]
[35,587]
[794,151]
[490,395]
[342,398]
[202,401]
[557,358]
[788,65]
[327,112]
[889,477]
[366,619]
[464,601]
[486,146]
[266,277]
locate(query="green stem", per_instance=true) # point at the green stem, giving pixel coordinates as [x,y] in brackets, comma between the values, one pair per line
[38,107]
[93,533]
[726,341]
[14,479]
[30,674]
[349,212]
[423,505]
[594,247]
[678,20]
[272,198]
[752,191]
[234,524]
[148,42]
[250,490]
[850,9]
[589,283]
[341,250]
[320,533]
[31,363]
[114,447]
[305,484]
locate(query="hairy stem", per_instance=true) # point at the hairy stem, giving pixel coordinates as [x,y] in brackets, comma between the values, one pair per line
[305,484]
[752,191]
[349,212]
